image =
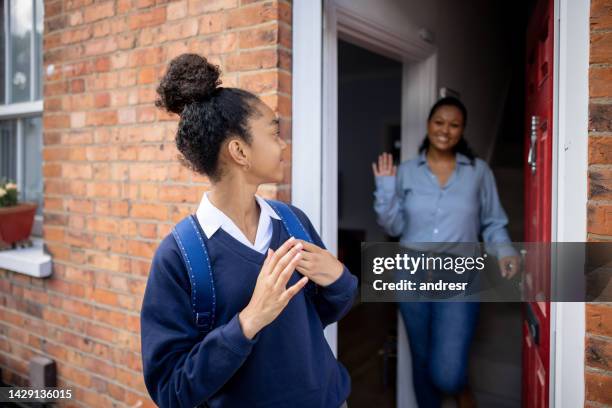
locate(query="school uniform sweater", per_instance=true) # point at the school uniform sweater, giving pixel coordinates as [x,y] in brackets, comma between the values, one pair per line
[287,364]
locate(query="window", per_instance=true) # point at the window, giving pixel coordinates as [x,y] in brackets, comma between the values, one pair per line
[21,25]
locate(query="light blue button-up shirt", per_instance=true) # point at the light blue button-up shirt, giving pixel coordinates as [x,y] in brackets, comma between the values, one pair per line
[412,205]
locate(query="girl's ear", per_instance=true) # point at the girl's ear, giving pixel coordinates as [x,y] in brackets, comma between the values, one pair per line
[237,151]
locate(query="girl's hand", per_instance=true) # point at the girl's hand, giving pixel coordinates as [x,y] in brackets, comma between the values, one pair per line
[509,266]
[271,294]
[319,265]
[385,166]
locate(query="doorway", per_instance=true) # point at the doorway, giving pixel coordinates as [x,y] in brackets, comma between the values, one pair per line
[417,33]
[371,338]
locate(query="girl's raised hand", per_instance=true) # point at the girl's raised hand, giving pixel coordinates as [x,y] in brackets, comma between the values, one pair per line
[385,166]
[271,294]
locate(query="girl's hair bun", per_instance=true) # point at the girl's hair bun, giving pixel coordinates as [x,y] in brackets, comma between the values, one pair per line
[189,78]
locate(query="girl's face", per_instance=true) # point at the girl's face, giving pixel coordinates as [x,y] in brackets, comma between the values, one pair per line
[266,149]
[445,127]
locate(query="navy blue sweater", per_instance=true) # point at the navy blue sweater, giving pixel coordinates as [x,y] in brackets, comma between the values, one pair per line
[287,364]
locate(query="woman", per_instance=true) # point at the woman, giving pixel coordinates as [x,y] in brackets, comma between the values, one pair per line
[443,195]
[267,346]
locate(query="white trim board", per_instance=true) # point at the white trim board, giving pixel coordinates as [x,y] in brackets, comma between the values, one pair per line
[569,212]
[32,261]
[306,121]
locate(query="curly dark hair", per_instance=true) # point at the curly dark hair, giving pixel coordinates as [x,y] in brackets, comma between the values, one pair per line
[462,146]
[209,114]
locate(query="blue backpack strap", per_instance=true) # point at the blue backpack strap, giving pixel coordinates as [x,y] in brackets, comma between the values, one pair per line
[195,256]
[292,223]
[294,227]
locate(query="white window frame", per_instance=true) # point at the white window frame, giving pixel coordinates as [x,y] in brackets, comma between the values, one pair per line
[21,110]
[31,261]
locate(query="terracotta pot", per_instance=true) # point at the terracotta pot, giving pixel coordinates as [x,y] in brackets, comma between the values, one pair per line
[16,222]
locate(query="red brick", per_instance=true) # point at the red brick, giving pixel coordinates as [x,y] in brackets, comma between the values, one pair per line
[600,182]
[76,35]
[601,15]
[147,75]
[101,118]
[176,10]
[600,150]
[180,29]
[211,23]
[149,211]
[599,319]
[600,117]
[597,387]
[56,121]
[252,60]
[98,11]
[601,48]
[197,7]
[259,37]
[260,82]
[53,8]
[599,218]
[99,46]
[147,18]
[278,103]
[180,194]
[253,14]
[598,353]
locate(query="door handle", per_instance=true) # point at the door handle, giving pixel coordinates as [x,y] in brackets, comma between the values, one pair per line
[531,157]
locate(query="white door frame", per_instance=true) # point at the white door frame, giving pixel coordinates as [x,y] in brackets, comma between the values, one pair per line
[569,195]
[314,143]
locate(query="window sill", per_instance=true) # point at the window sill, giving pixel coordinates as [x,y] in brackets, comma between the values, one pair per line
[30,261]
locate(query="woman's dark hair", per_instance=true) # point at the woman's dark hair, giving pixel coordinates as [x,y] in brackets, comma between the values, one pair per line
[209,113]
[461,146]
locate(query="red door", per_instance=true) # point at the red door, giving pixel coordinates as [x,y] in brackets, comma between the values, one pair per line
[538,194]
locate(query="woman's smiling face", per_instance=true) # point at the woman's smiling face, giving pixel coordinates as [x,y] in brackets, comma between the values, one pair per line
[266,148]
[445,127]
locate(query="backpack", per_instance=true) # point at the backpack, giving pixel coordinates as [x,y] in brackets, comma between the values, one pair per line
[197,262]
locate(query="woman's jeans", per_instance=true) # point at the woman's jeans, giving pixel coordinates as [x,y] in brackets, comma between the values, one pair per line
[440,334]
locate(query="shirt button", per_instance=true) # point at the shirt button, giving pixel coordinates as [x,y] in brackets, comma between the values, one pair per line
[435,231]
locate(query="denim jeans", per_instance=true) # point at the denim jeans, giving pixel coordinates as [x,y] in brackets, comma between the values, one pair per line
[440,334]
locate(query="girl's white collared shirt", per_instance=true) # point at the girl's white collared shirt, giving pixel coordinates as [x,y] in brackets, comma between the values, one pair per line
[211,219]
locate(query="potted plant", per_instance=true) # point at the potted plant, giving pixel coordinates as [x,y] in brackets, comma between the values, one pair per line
[16,219]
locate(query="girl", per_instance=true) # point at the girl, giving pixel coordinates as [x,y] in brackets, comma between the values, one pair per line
[443,195]
[266,347]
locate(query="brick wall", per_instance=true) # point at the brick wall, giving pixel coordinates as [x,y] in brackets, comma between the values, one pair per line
[598,341]
[112,185]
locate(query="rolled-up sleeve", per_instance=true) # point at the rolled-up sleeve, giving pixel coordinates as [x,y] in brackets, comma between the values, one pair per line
[388,203]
